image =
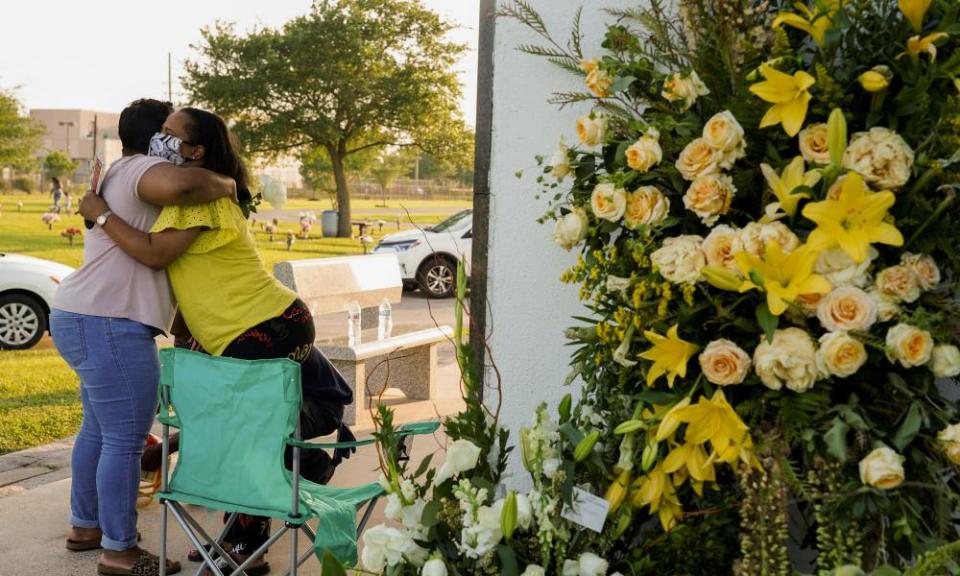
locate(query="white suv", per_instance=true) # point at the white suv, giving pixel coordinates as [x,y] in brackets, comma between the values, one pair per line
[428,257]
[27,285]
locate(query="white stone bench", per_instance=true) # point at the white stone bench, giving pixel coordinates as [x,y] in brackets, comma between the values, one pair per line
[407,362]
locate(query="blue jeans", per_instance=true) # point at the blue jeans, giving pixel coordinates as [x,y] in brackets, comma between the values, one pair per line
[116,360]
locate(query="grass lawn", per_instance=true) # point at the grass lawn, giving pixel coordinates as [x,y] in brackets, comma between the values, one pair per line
[39,400]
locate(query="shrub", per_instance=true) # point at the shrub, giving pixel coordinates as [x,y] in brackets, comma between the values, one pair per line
[23,184]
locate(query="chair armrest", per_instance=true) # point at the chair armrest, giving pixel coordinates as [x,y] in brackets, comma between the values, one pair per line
[414,429]
[169,419]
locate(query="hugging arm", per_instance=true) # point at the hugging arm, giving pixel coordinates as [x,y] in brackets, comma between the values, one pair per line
[165,184]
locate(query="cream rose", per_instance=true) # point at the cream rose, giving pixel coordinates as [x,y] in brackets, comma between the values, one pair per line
[809,303]
[608,202]
[591,129]
[836,189]
[646,206]
[790,360]
[687,89]
[882,468]
[570,229]
[725,134]
[599,82]
[588,65]
[709,197]
[840,355]
[755,236]
[534,570]
[945,361]
[840,270]
[909,345]
[724,363]
[698,159]
[646,152]
[680,259]
[434,567]
[721,245]
[815,144]
[949,439]
[900,282]
[847,308]
[924,269]
[881,156]
[560,163]
[888,307]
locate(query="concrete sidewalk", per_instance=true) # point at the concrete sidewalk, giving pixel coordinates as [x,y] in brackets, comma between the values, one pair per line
[35,497]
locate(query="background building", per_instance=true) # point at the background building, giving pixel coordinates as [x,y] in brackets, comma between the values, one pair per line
[82,135]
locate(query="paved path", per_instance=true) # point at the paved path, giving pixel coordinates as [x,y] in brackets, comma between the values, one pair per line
[291,215]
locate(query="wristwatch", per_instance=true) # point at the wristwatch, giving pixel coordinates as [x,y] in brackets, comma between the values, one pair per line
[102,219]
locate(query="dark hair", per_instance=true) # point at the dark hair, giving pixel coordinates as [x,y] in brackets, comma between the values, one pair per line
[221,151]
[140,121]
[56,181]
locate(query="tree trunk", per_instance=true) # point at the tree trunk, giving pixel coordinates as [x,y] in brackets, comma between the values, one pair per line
[337,154]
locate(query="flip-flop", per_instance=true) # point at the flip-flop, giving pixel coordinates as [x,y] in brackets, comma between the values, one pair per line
[260,570]
[87,545]
[146,564]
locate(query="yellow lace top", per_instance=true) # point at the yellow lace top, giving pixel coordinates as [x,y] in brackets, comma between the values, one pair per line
[220,282]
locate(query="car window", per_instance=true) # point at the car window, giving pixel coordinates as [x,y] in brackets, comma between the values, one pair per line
[452,222]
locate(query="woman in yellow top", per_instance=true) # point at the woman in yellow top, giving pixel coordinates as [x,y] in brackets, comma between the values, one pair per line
[231,304]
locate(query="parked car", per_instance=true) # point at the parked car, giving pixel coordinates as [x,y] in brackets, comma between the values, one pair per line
[27,285]
[428,257]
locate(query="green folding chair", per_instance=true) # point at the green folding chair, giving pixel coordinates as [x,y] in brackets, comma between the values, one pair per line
[236,418]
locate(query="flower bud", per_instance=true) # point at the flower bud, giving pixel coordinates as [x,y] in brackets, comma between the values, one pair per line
[650,453]
[617,492]
[721,278]
[585,446]
[837,136]
[508,516]
[874,80]
[564,408]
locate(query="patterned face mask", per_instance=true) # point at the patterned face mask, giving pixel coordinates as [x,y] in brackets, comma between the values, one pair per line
[166,146]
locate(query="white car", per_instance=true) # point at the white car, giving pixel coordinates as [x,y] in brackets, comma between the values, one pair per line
[27,285]
[428,257]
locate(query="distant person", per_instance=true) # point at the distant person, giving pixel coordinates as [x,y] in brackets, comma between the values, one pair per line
[56,190]
[104,320]
[230,302]
[67,201]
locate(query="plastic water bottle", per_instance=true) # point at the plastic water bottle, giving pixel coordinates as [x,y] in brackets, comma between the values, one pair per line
[354,325]
[385,320]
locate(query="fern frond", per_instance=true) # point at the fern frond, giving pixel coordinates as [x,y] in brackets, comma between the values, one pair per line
[576,37]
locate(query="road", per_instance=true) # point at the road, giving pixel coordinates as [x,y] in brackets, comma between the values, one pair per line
[291,215]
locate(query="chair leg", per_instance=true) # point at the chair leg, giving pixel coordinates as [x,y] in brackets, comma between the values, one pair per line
[188,529]
[163,538]
[294,551]
[366,514]
[259,552]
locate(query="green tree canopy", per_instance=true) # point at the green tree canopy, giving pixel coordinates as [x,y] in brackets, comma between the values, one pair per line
[348,76]
[20,135]
[57,164]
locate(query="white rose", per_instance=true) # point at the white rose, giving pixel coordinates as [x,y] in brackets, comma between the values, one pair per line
[725,134]
[570,229]
[534,570]
[646,206]
[591,129]
[809,303]
[815,144]
[646,152]
[571,568]
[881,156]
[840,355]
[434,567]
[840,269]
[924,269]
[608,202]
[687,89]
[560,163]
[385,546]
[724,363]
[888,307]
[697,159]
[949,438]
[847,308]
[755,237]
[680,259]
[945,361]
[909,345]
[592,565]
[617,283]
[721,245]
[709,197]
[524,512]
[791,360]
[900,282]
[462,455]
[882,468]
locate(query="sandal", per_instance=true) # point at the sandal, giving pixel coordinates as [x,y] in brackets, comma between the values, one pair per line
[146,564]
[224,567]
[87,545]
[193,554]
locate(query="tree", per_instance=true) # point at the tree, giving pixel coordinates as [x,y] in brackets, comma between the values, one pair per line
[58,165]
[348,76]
[387,170]
[20,135]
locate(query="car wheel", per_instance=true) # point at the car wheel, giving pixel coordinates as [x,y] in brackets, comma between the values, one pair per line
[437,277]
[22,322]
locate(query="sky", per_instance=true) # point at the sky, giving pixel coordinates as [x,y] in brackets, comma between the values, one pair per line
[102,54]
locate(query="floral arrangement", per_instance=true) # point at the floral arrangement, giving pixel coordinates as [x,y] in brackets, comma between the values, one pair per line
[762,203]
[50,218]
[71,233]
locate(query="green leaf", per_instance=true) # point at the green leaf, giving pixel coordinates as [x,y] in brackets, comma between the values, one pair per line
[767,321]
[622,83]
[424,465]
[431,514]
[836,439]
[909,427]
[508,561]
[330,566]
[572,434]
[886,570]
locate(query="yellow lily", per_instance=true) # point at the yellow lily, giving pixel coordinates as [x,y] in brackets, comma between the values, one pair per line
[722,278]
[714,420]
[657,491]
[814,22]
[917,46]
[874,80]
[854,220]
[914,11]
[694,459]
[792,177]
[784,277]
[789,95]
[669,355]
[669,423]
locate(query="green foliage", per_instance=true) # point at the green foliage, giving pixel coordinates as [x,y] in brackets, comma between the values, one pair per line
[22,184]
[20,135]
[57,164]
